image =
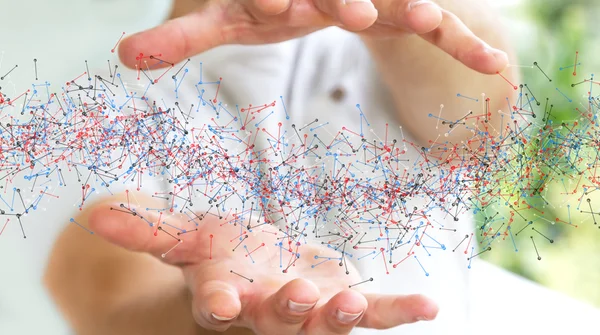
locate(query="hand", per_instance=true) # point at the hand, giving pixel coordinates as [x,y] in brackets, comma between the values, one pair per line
[263,285]
[219,22]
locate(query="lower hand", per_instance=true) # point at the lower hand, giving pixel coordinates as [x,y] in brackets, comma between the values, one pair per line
[262,285]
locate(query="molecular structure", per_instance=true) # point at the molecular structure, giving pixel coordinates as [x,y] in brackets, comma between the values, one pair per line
[364,198]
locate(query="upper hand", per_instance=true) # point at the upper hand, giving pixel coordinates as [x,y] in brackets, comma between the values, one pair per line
[220,22]
[285,295]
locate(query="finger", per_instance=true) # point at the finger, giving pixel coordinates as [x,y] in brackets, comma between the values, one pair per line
[271,7]
[216,305]
[285,311]
[339,315]
[354,15]
[391,311]
[139,230]
[453,37]
[415,16]
[178,39]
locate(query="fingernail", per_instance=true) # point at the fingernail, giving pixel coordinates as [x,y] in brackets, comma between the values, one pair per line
[347,317]
[418,3]
[298,307]
[222,318]
[422,318]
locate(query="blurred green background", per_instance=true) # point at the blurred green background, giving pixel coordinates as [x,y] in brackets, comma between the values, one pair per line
[550,32]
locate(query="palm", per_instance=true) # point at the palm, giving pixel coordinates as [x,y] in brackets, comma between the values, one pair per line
[243,283]
[253,26]
[260,264]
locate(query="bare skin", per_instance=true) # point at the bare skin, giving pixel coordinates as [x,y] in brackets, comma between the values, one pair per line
[122,285]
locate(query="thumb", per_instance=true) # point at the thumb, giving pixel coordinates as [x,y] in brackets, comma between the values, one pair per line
[137,230]
[180,38]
